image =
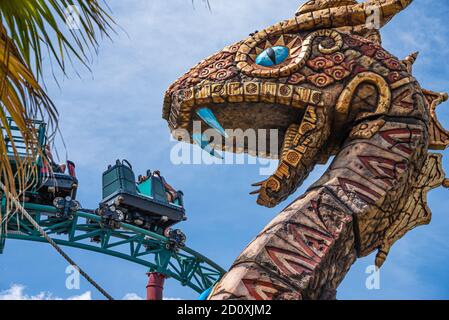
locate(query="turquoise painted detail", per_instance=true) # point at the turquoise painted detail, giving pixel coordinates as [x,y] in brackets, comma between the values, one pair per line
[144,188]
[208,116]
[205,294]
[201,141]
[273,56]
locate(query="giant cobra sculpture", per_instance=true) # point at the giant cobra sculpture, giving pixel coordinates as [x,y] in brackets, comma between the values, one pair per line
[323,80]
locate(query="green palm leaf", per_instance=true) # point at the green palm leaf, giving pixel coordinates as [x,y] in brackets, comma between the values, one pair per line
[60,27]
[30,31]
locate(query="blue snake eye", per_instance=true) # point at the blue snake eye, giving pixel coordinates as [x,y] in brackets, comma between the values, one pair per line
[272,56]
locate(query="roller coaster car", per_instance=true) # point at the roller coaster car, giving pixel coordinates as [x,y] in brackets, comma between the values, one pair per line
[58,185]
[48,185]
[144,204]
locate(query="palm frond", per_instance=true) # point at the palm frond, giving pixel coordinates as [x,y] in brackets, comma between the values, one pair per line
[30,31]
[22,99]
[57,28]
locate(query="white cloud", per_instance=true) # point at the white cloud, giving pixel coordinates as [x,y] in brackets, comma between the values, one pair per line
[85,296]
[17,292]
[132,296]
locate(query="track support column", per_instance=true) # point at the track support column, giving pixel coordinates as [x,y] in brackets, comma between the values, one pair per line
[155,286]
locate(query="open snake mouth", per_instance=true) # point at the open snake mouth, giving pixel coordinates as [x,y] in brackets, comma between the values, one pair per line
[264,119]
[252,117]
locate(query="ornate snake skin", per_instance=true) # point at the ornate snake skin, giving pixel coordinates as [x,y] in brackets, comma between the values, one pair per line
[323,80]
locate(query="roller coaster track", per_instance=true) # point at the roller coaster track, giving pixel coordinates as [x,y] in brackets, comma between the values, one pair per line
[129,242]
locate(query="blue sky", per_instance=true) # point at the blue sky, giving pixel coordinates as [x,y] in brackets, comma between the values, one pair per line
[115,112]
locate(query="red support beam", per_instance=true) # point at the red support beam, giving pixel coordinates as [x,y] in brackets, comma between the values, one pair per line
[155,286]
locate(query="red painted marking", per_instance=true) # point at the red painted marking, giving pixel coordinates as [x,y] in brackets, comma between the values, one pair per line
[302,245]
[358,69]
[261,290]
[322,228]
[312,243]
[313,232]
[393,64]
[383,167]
[360,189]
[369,49]
[289,262]
[399,138]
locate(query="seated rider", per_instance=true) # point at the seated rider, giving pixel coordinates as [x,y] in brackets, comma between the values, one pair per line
[56,168]
[172,194]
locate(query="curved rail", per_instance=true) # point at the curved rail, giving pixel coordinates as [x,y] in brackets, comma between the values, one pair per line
[129,242]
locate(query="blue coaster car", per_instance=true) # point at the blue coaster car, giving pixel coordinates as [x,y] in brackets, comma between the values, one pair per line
[144,204]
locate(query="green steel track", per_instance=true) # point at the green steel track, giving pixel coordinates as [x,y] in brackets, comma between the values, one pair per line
[131,243]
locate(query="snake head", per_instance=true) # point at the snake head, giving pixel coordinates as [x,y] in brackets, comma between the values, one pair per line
[285,79]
